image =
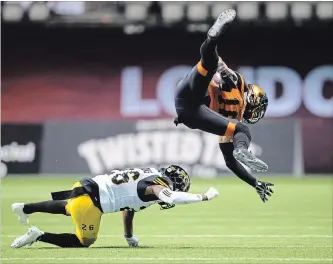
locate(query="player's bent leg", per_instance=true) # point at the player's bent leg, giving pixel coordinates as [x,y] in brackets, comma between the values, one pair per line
[242,139]
[209,121]
[209,56]
[192,89]
[34,235]
[50,207]
[241,136]
[86,218]
[208,49]
[62,240]
[24,210]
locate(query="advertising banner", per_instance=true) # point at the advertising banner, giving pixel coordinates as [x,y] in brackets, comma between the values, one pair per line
[98,147]
[20,148]
[146,92]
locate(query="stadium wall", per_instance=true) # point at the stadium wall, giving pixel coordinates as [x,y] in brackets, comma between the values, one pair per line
[95,147]
[92,92]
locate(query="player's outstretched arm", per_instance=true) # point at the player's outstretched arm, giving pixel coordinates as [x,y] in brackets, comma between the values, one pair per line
[171,197]
[128,217]
[263,188]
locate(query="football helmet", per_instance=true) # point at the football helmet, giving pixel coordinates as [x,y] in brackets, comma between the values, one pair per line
[179,178]
[256,104]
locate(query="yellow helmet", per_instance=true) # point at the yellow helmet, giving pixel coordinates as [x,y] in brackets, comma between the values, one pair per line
[256,104]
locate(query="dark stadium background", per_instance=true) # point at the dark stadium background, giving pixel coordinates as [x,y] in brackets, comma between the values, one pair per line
[59,68]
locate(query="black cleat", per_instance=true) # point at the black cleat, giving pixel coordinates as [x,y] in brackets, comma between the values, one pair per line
[245,157]
[221,23]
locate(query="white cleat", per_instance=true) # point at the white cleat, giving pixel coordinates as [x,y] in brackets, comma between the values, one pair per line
[28,238]
[248,159]
[221,24]
[17,208]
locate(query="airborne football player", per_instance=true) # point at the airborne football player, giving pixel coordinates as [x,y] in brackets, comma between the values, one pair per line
[217,100]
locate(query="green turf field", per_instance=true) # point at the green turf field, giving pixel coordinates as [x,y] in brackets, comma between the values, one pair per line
[295,226]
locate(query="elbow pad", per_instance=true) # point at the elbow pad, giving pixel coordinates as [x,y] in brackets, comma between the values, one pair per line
[171,197]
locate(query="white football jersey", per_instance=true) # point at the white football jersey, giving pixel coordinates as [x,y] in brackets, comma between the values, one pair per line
[119,190]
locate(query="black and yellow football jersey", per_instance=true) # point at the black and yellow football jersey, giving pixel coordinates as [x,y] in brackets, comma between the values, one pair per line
[230,100]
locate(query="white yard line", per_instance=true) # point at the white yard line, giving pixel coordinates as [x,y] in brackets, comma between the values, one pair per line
[175,259]
[258,227]
[240,236]
[209,227]
[195,218]
[212,236]
[254,219]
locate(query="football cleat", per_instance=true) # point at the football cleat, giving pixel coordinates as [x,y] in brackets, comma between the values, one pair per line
[221,24]
[28,238]
[245,157]
[17,208]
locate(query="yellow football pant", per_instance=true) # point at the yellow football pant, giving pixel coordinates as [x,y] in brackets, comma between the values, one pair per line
[86,217]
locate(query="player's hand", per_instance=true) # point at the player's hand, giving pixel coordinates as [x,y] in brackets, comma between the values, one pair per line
[264,190]
[211,193]
[132,241]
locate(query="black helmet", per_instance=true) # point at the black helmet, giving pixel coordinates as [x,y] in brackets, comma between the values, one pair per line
[178,176]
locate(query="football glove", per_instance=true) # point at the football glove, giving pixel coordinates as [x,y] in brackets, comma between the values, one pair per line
[264,190]
[229,78]
[132,241]
[212,193]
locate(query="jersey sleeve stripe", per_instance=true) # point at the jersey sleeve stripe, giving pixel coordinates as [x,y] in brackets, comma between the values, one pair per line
[201,69]
[163,183]
[230,129]
[160,182]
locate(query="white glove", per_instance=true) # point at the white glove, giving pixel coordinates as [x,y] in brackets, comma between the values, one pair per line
[212,193]
[132,241]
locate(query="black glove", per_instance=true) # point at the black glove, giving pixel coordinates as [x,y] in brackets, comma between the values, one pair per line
[264,189]
[228,78]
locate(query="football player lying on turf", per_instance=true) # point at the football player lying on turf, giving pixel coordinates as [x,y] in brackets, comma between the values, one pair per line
[129,191]
[215,99]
